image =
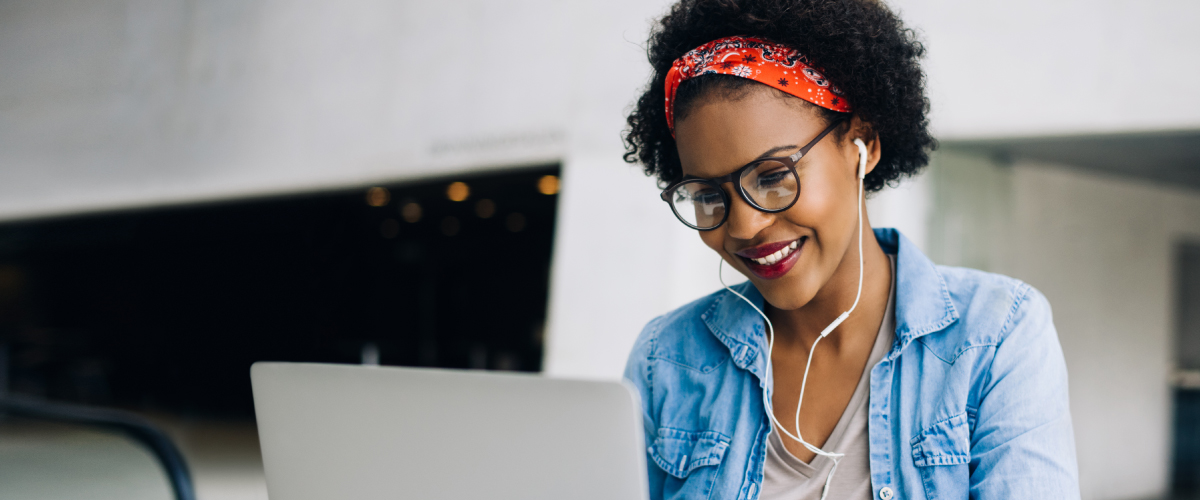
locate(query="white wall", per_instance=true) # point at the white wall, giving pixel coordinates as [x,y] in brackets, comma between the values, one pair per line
[1102,251]
[119,103]
[1030,67]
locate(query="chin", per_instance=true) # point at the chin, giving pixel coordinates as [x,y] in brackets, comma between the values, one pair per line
[787,294]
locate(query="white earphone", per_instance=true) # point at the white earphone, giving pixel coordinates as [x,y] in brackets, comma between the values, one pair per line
[862,158]
[862,173]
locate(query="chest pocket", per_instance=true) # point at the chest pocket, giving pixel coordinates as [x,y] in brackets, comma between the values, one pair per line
[690,459]
[942,453]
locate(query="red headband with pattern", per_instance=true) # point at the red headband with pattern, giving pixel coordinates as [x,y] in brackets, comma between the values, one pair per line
[765,62]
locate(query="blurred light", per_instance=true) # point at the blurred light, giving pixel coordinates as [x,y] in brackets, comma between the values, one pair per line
[548,184]
[458,191]
[370,354]
[389,228]
[485,208]
[450,225]
[506,361]
[378,197]
[515,222]
[411,211]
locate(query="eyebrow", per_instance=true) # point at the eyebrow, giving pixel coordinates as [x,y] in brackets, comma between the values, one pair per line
[775,151]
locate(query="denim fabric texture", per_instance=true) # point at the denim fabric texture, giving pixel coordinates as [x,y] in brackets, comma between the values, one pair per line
[970,402]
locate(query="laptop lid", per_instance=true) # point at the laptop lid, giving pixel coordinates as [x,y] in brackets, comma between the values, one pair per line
[366,432]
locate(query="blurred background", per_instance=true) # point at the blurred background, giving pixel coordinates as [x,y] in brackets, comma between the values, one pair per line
[187,187]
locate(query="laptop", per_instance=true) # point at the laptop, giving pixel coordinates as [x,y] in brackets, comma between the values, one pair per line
[369,432]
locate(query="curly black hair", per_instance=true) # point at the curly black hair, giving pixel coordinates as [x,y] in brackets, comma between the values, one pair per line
[858,44]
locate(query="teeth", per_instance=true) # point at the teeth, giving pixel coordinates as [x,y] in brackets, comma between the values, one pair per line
[778,255]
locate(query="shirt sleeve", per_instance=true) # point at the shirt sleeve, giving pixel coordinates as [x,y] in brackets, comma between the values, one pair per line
[637,372]
[1023,445]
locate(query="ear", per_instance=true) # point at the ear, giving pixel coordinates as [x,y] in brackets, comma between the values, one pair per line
[863,130]
[873,152]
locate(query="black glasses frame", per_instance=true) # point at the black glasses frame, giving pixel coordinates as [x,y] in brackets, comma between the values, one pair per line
[736,176]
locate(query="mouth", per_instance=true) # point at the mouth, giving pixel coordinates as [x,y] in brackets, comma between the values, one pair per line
[772,260]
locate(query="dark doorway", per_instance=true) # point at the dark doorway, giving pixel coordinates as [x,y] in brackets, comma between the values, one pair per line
[165,309]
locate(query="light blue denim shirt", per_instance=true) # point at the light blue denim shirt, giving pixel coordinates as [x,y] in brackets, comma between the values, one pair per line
[970,401]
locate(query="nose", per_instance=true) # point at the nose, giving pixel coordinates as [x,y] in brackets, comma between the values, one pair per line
[744,221]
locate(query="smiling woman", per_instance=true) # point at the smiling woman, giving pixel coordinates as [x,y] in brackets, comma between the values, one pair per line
[766,121]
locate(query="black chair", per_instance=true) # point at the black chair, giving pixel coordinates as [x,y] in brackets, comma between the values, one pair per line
[138,428]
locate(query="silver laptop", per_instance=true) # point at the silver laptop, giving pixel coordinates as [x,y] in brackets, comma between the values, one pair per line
[368,432]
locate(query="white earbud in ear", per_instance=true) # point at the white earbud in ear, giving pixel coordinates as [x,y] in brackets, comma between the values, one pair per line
[862,158]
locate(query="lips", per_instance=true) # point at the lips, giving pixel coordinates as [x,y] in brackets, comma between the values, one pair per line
[772,260]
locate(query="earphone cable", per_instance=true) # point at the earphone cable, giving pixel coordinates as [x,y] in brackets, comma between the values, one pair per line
[769,375]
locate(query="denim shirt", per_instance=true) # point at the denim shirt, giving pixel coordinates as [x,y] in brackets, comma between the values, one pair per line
[969,402]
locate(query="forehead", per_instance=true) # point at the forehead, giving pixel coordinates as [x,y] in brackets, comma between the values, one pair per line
[719,135]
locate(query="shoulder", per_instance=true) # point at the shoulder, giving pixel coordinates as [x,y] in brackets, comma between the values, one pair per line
[680,337]
[990,308]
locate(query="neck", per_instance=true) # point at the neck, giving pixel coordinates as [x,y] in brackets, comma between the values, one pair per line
[799,328]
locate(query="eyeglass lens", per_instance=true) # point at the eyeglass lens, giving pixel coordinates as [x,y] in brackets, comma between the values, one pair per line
[770,185]
[698,204]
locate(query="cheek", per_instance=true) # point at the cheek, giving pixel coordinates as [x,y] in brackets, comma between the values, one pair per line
[715,239]
[817,206]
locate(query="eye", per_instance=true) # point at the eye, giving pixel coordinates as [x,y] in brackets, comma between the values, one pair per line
[707,197]
[773,177]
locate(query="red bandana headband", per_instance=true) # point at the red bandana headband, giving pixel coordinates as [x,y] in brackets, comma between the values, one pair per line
[765,62]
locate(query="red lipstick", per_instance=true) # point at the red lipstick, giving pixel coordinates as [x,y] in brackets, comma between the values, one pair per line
[772,260]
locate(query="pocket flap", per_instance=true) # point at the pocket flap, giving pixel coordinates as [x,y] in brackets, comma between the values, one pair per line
[945,443]
[679,452]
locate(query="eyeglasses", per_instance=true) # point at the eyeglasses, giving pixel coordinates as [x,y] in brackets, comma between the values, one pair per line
[770,185]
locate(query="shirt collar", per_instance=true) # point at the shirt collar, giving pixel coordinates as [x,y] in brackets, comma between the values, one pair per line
[923,306]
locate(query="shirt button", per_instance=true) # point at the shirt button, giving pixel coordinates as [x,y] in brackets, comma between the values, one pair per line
[885,493]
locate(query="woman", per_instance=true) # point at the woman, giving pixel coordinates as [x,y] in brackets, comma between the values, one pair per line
[766,120]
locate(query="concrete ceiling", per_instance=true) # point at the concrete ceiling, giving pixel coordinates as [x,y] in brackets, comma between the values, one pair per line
[1168,157]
